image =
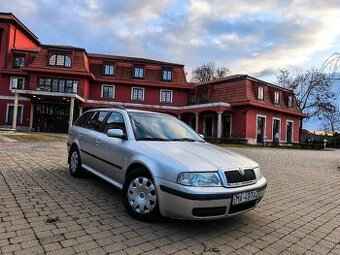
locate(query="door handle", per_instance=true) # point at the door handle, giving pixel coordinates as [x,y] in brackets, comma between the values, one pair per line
[97,142]
[80,136]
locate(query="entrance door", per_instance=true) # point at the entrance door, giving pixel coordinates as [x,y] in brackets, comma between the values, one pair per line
[276,128]
[261,124]
[192,121]
[208,125]
[51,118]
[226,126]
[289,131]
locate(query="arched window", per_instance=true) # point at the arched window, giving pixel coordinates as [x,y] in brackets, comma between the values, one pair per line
[67,61]
[59,60]
[52,60]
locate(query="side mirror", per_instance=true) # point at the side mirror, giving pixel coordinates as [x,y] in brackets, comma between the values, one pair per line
[116,133]
[201,135]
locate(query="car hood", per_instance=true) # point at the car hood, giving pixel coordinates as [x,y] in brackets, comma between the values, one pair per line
[197,156]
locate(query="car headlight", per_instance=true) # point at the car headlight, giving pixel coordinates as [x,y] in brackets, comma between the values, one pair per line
[258,173]
[199,179]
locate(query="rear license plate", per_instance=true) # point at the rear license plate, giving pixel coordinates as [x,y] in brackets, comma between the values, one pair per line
[245,197]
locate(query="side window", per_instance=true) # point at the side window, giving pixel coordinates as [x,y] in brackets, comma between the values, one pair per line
[82,121]
[115,121]
[96,121]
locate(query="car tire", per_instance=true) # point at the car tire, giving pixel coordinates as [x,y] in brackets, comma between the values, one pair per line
[140,196]
[75,163]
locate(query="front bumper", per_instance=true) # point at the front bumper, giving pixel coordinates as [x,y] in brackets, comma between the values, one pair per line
[197,203]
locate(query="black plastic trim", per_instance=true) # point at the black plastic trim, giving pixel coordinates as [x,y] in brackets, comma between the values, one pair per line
[191,196]
[107,162]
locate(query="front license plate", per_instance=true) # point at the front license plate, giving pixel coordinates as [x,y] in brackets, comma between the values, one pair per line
[245,197]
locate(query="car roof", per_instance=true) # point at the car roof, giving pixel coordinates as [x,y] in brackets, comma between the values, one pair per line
[124,109]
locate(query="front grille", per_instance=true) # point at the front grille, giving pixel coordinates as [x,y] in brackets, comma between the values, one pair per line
[209,211]
[236,177]
[242,207]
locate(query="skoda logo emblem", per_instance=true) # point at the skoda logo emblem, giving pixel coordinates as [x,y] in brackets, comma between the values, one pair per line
[241,171]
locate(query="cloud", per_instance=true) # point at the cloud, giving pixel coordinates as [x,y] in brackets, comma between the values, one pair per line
[254,37]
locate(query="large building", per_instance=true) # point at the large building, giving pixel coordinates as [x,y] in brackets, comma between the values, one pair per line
[46,87]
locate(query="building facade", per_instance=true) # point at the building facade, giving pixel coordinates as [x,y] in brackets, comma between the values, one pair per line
[44,88]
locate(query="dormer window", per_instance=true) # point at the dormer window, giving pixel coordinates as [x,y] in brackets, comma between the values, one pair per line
[290,102]
[167,75]
[138,72]
[276,97]
[19,61]
[108,69]
[59,60]
[204,96]
[260,93]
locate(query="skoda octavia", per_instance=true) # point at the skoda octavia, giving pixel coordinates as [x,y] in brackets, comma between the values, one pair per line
[162,166]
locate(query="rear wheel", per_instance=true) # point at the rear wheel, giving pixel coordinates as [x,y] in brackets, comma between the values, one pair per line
[140,196]
[75,163]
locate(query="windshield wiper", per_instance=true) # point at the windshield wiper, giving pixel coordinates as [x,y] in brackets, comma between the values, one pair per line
[185,139]
[152,139]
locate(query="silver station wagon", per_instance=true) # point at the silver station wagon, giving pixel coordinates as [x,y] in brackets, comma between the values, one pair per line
[162,166]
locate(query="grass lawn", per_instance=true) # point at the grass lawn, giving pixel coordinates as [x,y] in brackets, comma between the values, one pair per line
[34,137]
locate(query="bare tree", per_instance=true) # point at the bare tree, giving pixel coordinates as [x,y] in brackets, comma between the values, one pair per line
[331,117]
[312,89]
[209,71]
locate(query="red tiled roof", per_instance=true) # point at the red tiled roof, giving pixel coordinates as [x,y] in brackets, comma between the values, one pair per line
[240,77]
[62,47]
[41,62]
[132,59]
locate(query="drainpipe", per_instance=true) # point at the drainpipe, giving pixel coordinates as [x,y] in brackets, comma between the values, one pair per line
[70,122]
[15,111]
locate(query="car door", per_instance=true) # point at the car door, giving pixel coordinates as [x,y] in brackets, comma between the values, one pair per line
[81,134]
[113,150]
[88,139]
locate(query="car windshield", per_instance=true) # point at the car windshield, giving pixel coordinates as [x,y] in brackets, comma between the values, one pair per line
[161,127]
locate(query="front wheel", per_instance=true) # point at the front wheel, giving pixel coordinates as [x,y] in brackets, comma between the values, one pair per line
[140,196]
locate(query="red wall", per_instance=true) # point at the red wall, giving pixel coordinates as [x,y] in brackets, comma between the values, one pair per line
[239,123]
[151,95]
[251,124]
[26,114]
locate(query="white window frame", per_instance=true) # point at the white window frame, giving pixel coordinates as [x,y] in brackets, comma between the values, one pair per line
[13,78]
[113,90]
[132,88]
[111,67]
[290,100]
[141,72]
[165,73]
[292,121]
[260,88]
[265,127]
[276,97]
[21,116]
[21,64]
[280,133]
[165,90]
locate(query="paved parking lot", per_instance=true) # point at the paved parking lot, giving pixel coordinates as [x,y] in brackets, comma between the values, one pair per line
[44,210]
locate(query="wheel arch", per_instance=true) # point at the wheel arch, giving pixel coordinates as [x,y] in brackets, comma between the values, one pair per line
[136,165]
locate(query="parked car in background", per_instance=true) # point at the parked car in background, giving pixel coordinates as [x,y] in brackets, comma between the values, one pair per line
[162,166]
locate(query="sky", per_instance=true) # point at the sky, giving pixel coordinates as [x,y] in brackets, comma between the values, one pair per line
[249,37]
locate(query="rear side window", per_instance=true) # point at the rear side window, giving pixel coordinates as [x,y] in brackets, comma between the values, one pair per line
[96,122]
[115,121]
[83,119]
